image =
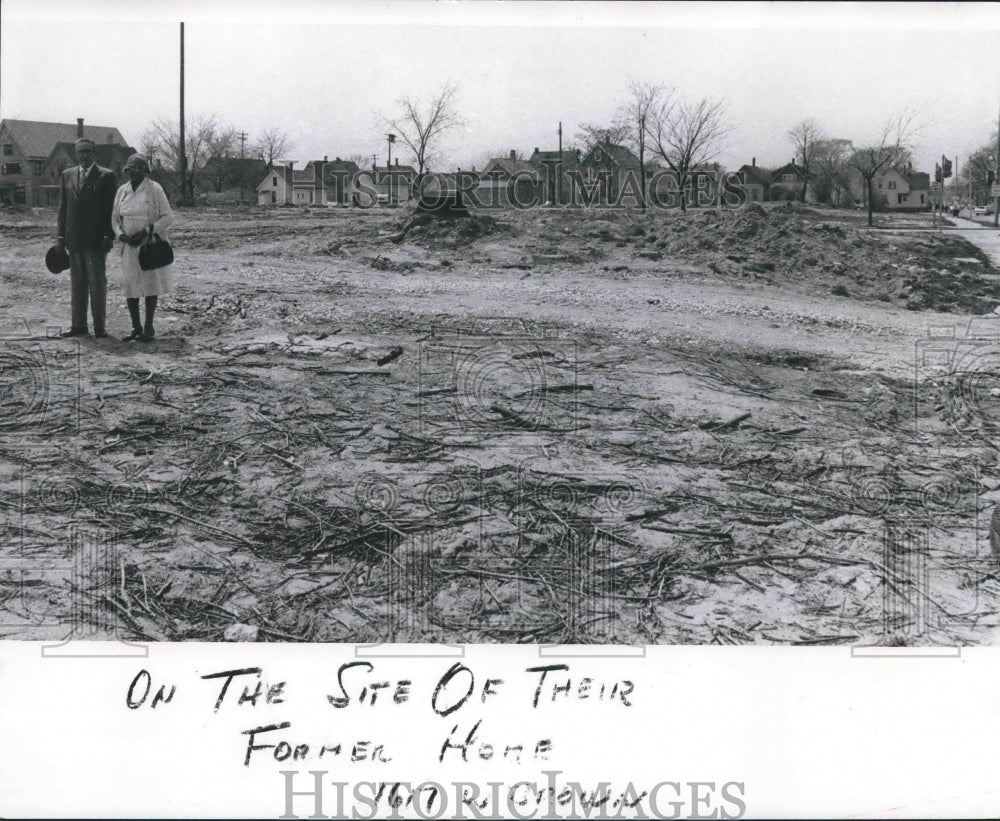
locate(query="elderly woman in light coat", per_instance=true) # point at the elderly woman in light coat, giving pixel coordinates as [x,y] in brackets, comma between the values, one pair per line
[141,210]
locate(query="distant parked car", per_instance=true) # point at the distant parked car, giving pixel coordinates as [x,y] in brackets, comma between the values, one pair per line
[982,210]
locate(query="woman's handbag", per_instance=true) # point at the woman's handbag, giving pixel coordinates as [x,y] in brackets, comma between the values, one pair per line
[155,252]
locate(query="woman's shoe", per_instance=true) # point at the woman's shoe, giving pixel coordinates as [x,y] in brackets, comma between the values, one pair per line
[136,334]
[147,336]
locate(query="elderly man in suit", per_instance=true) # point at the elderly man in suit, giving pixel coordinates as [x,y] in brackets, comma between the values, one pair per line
[88,194]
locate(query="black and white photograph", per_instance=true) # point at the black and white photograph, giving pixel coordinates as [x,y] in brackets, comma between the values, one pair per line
[666,338]
[551,324]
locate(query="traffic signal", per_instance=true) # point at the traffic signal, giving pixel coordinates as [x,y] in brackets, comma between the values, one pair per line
[937,173]
[945,167]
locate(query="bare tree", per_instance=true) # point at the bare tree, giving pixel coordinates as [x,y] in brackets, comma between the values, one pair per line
[804,136]
[633,117]
[828,160]
[270,145]
[592,134]
[890,147]
[203,138]
[686,134]
[223,143]
[421,126]
[974,174]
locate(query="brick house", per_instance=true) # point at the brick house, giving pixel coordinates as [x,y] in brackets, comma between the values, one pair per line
[26,145]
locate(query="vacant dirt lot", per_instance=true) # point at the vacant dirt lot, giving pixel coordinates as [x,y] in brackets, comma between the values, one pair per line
[546,426]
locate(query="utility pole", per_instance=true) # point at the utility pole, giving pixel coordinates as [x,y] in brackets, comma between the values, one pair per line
[559,191]
[243,142]
[391,138]
[182,159]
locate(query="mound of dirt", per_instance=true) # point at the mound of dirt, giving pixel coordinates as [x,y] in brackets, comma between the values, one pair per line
[431,231]
[794,246]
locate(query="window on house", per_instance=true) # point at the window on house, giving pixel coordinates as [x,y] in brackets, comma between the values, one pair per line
[274,181]
[36,166]
[10,168]
[900,199]
[788,178]
[892,185]
[880,186]
[921,199]
[8,150]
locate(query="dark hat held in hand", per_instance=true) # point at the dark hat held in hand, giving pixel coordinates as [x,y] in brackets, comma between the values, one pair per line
[56,259]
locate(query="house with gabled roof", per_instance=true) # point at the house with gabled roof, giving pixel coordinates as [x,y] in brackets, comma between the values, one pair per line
[547,161]
[340,177]
[507,179]
[285,185]
[787,182]
[902,189]
[756,181]
[614,164]
[394,184]
[26,145]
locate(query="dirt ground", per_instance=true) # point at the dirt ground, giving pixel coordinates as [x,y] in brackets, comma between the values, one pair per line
[538,426]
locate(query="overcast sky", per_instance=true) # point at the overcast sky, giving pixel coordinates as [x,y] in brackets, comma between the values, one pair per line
[325,72]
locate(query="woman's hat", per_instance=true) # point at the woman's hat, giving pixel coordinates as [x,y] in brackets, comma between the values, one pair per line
[56,259]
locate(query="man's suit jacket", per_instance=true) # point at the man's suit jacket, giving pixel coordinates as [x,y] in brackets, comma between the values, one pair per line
[85,210]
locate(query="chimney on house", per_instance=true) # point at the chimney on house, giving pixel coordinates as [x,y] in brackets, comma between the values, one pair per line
[793,160]
[326,158]
[753,162]
[536,149]
[397,162]
[513,154]
[607,139]
[79,127]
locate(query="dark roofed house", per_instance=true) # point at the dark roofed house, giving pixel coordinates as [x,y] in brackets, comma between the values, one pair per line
[394,184]
[919,195]
[339,179]
[756,181]
[902,189]
[615,162]
[569,157]
[26,145]
[507,178]
[232,179]
[787,181]
[547,161]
